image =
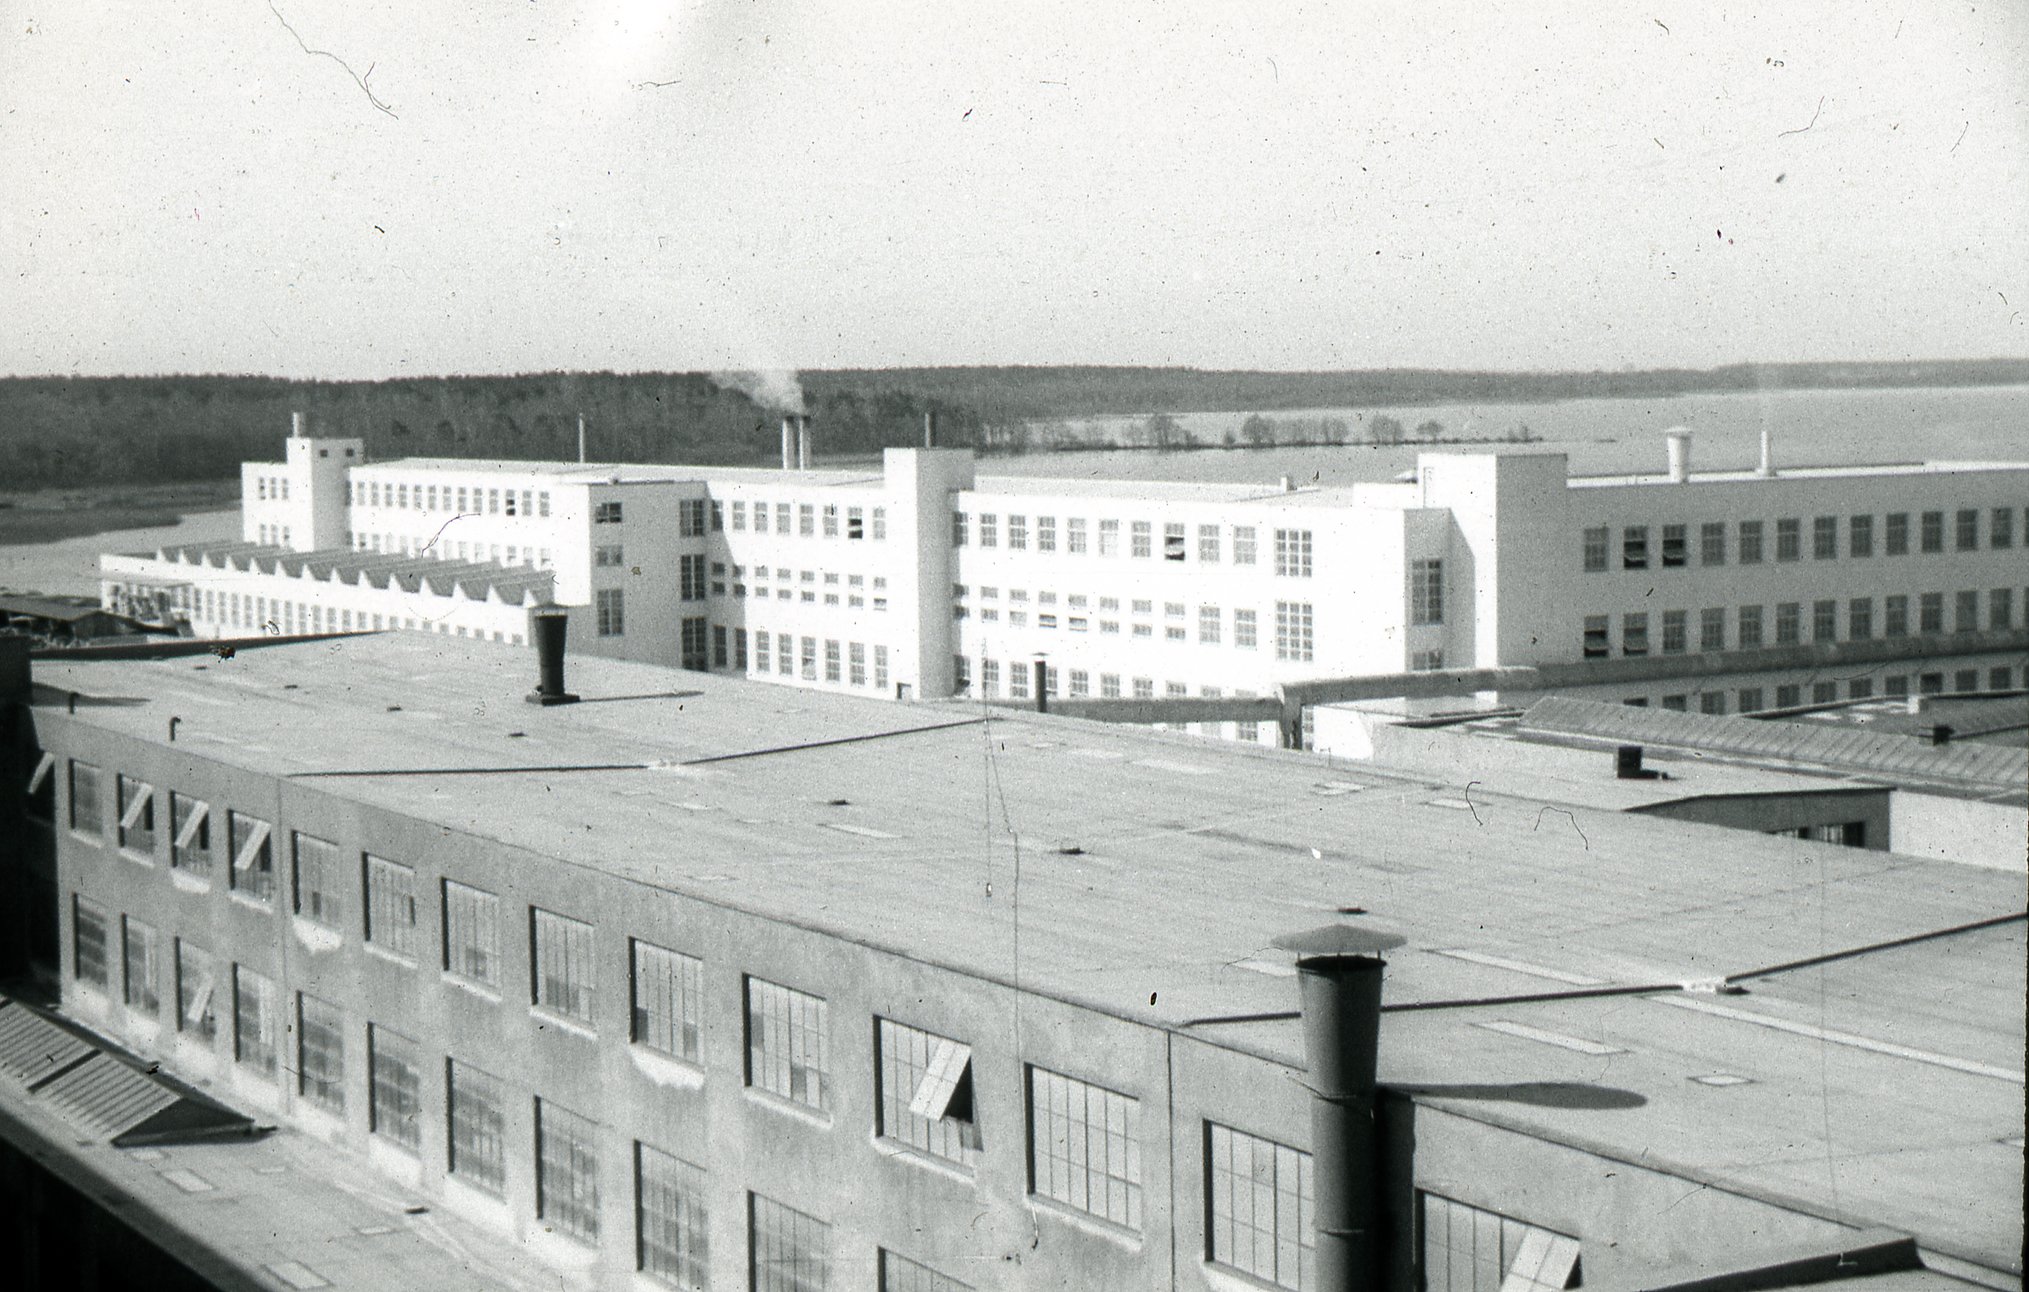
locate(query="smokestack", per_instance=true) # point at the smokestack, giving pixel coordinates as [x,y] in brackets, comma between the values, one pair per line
[295,425]
[1767,450]
[788,442]
[803,443]
[581,437]
[930,429]
[547,625]
[1338,971]
[1678,442]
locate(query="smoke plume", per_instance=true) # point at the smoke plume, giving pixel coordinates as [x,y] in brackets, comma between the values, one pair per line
[775,389]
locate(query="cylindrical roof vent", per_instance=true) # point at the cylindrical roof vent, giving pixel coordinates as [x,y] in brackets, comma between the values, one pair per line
[548,626]
[1678,442]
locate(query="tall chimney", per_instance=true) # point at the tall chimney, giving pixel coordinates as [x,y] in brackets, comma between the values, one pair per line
[803,443]
[1767,450]
[930,429]
[1678,441]
[581,437]
[295,425]
[1338,970]
[547,625]
[788,441]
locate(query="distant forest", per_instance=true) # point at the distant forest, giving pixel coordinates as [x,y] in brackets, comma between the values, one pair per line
[70,431]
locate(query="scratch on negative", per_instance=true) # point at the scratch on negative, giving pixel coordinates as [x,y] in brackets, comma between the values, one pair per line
[440,531]
[1468,803]
[1573,816]
[1808,124]
[359,80]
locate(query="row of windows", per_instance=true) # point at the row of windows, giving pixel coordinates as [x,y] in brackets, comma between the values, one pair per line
[1793,623]
[267,488]
[279,616]
[1291,547]
[786,655]
[443,548]
[804,520]
[1295,637]
[854,595]
[1750,539]
[1793,695]
[461,500]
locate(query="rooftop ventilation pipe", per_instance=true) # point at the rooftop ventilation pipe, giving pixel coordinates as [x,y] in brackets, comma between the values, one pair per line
[295,425]
[930,429]
[803,443]
[1338,970]
[788,442]
[1627,764]
[547,625]
[1767,467]
[1678,443]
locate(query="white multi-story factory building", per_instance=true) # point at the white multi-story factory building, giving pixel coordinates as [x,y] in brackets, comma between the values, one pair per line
[923,579]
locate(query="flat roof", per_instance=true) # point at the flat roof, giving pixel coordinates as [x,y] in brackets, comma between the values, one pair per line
[629,472]
[1830,472]
[1155,871]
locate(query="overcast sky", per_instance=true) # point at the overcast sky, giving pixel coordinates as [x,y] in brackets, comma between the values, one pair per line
[614,184]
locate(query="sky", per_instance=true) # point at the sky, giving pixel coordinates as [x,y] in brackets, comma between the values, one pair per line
[351,188]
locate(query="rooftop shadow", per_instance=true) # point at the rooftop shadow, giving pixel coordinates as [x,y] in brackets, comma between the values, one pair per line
[1543,1094]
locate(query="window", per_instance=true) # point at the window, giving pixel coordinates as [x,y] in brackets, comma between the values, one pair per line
[1750,542]
[190,834]
[477,1148]
[1173,541]
[1017,532]
[1260,1195]
[1712,543]
[1788,696]
[606,513]
[1860,618]
[562,964]
[1676,547]
[2001,610]
[1966,612]
[609,555]
[1824,621]
[856,664]
[196,990]
[1712,628]
[1789,539]
[1931,613]
[925,1095]
[881,667]
[471,934]
[692,641]
[1292,553]
[788,1249]
[1896,540]
[1933,531]
[1860,536]
[1968,530]
[782,511]
[139,966]
[669,1218]
[1293,631]
[1895,617]
[253,1028]
[1788,623]
[1634,548]
[394,1098]
[1084,1147]
[1244,629]
[1634,634]
[721,657]
[806,520]
[958,529]
[1046,533]
[391,906]
[1208,625]
[1825,538]
[611,610]
[834,664]
[989,529]
[788,1043]
[856,524]
[900,1274]
[1109,538]
[1208,544]
[1426,592]
[320,1053]
[1597,542]
[1466,1249]
[2001,528]
[566,1171]
[1712,702]
[668,993]
[1750,699]
[1675,632]
[136,806]
[1598,636]
[831,520]
[317,881]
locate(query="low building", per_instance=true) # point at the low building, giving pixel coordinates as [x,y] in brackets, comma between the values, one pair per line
[686,984]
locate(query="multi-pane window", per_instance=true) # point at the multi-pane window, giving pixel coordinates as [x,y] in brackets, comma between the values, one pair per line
[900,1274]
[196,990]
[1292,553]
[668,990]
[1426,592]
[1750,542]
[140,969]
[1173,541]
[1675,632]
[1860,536]
[391,906]
[1074,536]
[1596,548]
[669,1218]
[2001,611]
[1968,529]
[1712,543]
[562,965]
[477,1140]
[925,1096]
[1933,531]
[1824,620]
[1860,618]
[1634,634]
[1017,531]
[1966,612]
[254,1019]
[1261,1200]
[1750,699]
[1789,539]
[1465,1249]
[806,520]
[1634,547]
[1244,629]
[394,1086]
[1931,613]
[1143,539]
[831,520]
[789,1250]
[1208,625]
[1712,628]
[1895,616]
[989,529]
[1109,538]
[319,897]
[1895,539]
[690,571]
[788,1043]
[607,513]
[136,806]
[1598,636]
[1208,543]
[610,607]
[958,524]
[1293,631]
[1243,545]
[566,1171]
[471,933]
[190,834]
[320,1053]
[1788,623]
[1824,538]
[1084,1149]
[1676,547]
[2001,528]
